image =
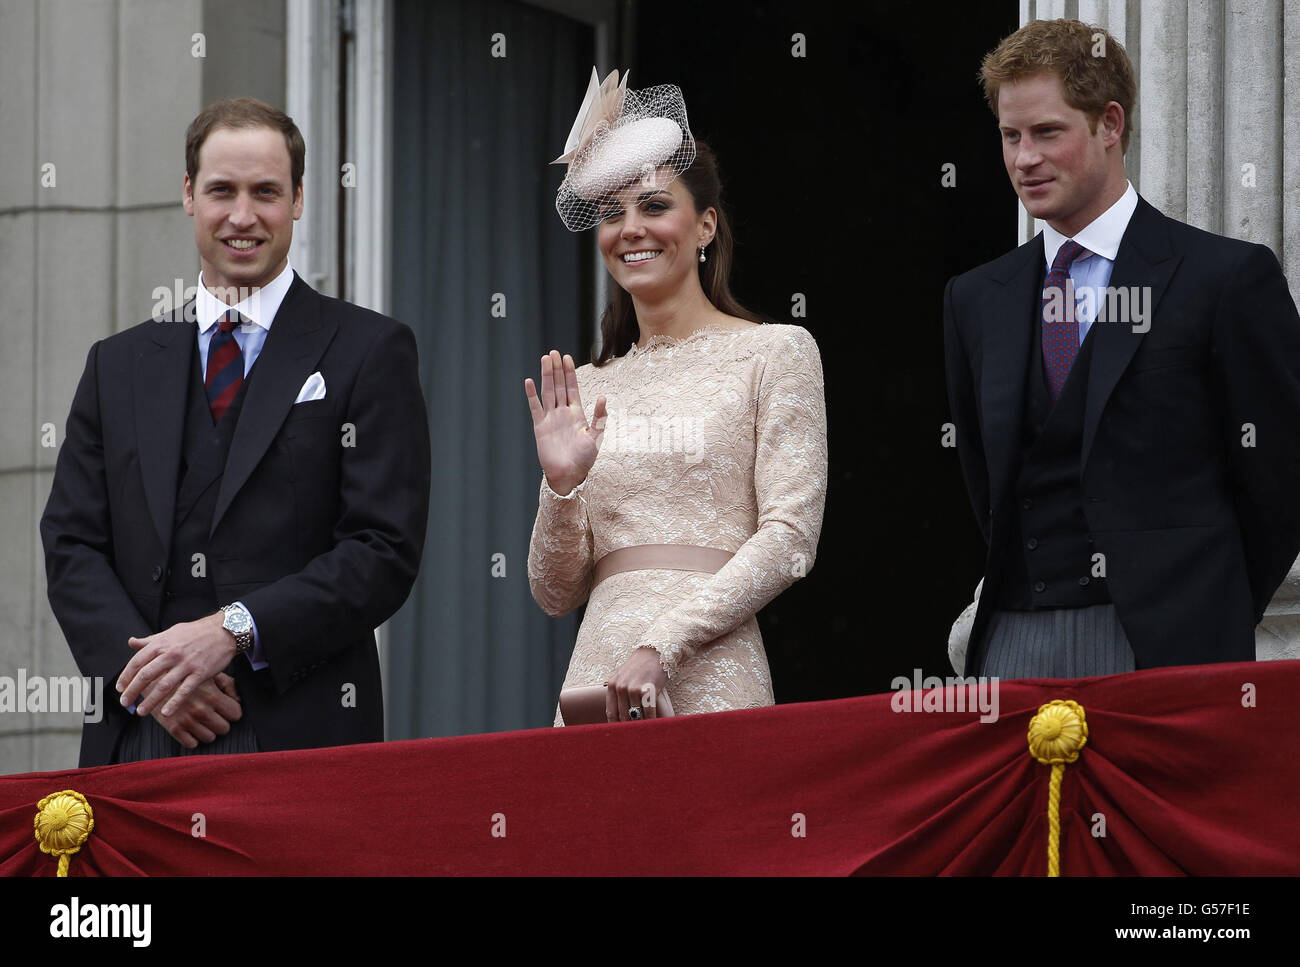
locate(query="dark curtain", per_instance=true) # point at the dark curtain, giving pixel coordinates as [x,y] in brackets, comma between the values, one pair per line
[474,227]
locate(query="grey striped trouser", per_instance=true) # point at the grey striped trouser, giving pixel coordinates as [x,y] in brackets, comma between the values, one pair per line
[144,739]
[1056,643]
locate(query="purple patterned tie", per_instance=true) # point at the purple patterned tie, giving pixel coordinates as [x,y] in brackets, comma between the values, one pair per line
[1060,326]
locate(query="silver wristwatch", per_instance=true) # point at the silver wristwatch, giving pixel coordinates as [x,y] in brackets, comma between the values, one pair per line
[240,624]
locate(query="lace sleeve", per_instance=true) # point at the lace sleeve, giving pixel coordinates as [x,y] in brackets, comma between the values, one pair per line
[790,484]
[560,563]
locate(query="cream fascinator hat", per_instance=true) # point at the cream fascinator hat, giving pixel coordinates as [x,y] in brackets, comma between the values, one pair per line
[619,136]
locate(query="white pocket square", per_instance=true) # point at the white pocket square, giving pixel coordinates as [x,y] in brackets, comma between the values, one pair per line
[313,389]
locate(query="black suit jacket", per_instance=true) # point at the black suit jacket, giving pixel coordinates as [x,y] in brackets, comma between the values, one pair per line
[1197,530]
[321,541]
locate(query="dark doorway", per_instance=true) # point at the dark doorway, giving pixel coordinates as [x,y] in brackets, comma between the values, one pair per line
[832,165]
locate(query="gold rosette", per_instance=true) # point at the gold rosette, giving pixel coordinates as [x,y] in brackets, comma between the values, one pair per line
[1057,734]
[64,821]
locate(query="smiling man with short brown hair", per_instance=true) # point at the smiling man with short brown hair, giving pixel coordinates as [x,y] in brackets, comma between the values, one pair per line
[236,509]
[1126,394]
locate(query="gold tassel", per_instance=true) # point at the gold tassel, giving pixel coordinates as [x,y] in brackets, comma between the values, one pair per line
[1057,734]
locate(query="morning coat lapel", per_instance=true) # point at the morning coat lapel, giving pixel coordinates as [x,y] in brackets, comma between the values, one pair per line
[163,367]
[1146,257]
[1007,321]
[293,347]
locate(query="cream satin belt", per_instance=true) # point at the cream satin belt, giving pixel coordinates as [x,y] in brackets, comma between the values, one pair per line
[672,557]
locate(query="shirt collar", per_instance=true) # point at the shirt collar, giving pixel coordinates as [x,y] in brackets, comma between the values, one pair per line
[259,308]
[1102,235]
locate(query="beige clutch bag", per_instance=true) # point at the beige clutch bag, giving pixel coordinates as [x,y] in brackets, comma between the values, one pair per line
[585,705]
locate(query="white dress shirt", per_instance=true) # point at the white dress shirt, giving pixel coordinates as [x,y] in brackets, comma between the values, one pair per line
[1101,237]
[259,311]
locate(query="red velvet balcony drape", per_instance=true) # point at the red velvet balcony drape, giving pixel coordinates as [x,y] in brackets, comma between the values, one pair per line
[1192,771]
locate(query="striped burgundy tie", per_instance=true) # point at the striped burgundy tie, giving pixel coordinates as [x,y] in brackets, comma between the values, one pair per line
[225,365]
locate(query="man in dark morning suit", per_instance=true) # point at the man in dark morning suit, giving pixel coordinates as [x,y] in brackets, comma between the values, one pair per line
[1134,469]
[241,495]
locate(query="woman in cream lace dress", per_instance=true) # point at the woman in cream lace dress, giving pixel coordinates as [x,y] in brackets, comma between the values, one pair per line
[695,427]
